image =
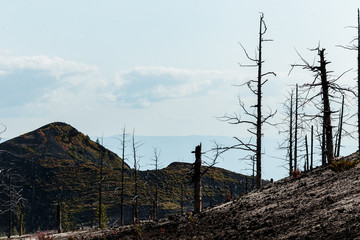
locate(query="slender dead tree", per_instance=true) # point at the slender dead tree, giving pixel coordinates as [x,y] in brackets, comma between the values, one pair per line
[255,119]
[197,179]
[156,164]
[135,146]
[11,192]
[307,154]
[58,216]
[338,142]
[312,148]
[198,172]
[355,46]
[286,127]
[321,80]
[291,135]
[296,127]
[123,145]
[101,178]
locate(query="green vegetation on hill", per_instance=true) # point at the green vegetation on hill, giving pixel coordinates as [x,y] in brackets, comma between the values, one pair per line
[57,161]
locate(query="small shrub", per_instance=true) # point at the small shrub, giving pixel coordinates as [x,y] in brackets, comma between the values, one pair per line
[343,164]
[296,173]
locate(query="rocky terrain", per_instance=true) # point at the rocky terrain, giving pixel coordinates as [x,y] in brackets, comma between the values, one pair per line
[320,204]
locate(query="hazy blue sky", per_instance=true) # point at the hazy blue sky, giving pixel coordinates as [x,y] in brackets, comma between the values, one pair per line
[162,67]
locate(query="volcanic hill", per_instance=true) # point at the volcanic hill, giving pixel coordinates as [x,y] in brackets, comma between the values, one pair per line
[57,163]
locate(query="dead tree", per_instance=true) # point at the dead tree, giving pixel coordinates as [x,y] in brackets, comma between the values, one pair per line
[296,127]
[307,154]
[286,127]
[197,179]
[355,46]
[101,178]
[198,173]
[291,135]
[58,216]
[255,118]
[123,145]
[338,136]
[312,148]
[21,208]
[135,146]
[321,80]
[11,192]
[156,164]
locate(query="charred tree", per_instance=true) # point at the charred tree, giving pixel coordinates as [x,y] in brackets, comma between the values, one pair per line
[338,142]
[328,88]
[256,118]
[101,225]
[323,146]
[312,148]
[123,145]
[296,127]
[135,146]
[307,154]
[326,102]
[286,127]
[10,206]
[291,136]
[58,216]
[358,76]
[155,204]
[355,46]
[197,179]
[198,172]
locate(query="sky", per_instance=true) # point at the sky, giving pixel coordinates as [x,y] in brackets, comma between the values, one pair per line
[164,68]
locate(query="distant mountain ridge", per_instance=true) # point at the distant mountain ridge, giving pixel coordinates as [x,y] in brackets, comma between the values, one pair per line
[58,162]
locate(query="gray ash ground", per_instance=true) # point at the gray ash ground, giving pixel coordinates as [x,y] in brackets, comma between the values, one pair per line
[320,204]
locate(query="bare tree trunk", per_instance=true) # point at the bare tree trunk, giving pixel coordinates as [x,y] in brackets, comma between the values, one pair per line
[100,192]
[291,136]
[323,148]
[256,116]
[340,128]
[135,204]
[253,173]
[58,216]
[312,148]
[156,160]
[21,217]
[307,154]
[122,180]
[296,126]
[358,78]
[327,111]
[197,179]
[10,207]
[21,203]
[259,113]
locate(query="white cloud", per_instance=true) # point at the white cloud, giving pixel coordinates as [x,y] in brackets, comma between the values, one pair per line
[52,84]
[155,84]
[58,67]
